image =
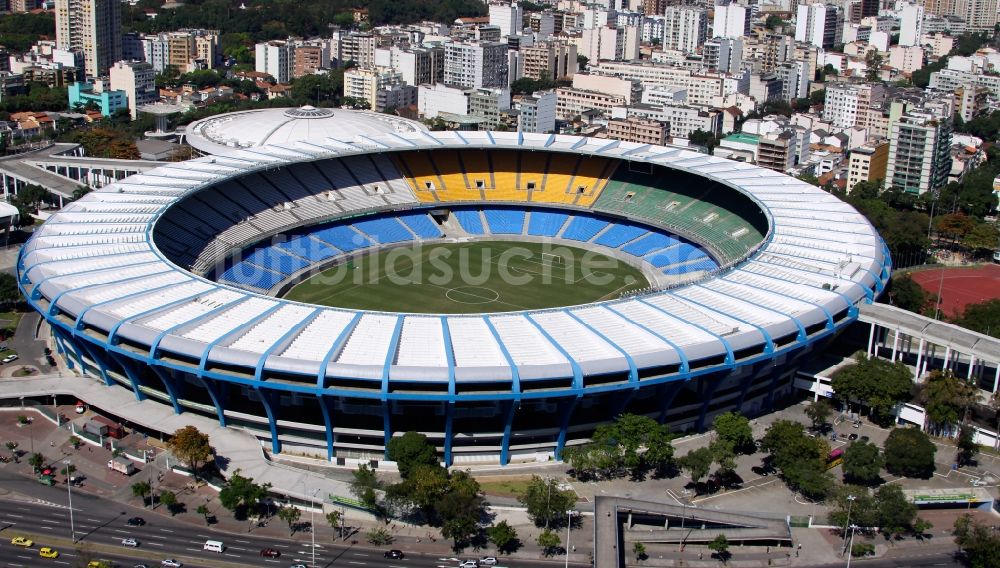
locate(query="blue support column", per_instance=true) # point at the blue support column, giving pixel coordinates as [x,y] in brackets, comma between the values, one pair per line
[508,426]
[218,398]
[706,390]
[386,428]
[324,407]
[667,396]
[621,400]
[169,386]
[744,389]
[567,409]
[270,408]
[449,416]
[130,371]
[96,357]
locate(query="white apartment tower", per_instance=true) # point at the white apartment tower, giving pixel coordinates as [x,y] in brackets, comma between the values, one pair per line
[475,64]
[137,79]
[911,20]
[92,27]
[818,24]
[919,152]
[508,16]
[275,58]
[685,28]
[731,21]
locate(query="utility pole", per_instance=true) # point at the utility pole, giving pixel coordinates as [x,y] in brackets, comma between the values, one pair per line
[847,525]
[69,493]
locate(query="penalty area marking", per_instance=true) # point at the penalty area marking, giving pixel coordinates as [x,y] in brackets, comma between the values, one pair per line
[474,298]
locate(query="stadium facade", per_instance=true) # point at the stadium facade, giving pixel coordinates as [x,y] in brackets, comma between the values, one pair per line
[164,283]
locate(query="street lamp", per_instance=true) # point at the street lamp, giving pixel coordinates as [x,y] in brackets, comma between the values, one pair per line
[853,529]
[847,525]
[569,524]
[69,493]
[312,523]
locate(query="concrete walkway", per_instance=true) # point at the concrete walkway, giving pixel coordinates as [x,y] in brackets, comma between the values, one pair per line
[235,449]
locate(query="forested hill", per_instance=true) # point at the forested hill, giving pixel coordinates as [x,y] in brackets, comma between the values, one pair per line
[278,19]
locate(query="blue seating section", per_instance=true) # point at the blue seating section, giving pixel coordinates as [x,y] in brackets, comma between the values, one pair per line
[422,225]
[342,237]
[649,243]
[244,274]
[677,270]
[619,234]
[505,221]
[308,248]
[583,228]
[275,260]
[545,223]
[388,230]
[470,221]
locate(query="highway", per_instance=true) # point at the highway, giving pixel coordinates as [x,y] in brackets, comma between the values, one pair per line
[101,525]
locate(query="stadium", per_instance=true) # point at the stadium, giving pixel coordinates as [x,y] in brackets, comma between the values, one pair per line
[209,285]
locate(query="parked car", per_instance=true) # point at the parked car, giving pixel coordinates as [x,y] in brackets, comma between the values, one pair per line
[9,359]
[394,554]
[135,522]
[270,552]
[171,563]
[469,564]
[21,541]
[299,565]
[852,437]
[48,552]
[130,542]
[488,560]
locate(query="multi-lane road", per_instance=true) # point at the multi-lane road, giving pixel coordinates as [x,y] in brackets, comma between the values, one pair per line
[100,526]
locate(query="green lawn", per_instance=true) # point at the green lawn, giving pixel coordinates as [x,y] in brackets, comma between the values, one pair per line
[479,277]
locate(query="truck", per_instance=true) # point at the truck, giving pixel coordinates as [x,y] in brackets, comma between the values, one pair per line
[121,465]
[101,426]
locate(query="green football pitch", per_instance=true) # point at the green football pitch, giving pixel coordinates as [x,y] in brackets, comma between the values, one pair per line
[475,277]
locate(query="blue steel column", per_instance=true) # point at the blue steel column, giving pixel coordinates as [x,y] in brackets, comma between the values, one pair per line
[218,398]
[706,390]
[324,407]
[169,386]
[133,376]
[267,400]
[508,425]
[568,406]
[97,359]
[669,392]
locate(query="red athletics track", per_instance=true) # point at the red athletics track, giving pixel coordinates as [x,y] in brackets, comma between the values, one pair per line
[962,286]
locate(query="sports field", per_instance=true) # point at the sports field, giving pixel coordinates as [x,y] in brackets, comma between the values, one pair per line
[479,277]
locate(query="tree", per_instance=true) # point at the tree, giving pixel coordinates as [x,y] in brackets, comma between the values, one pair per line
[363,485]
[697,463]
[169,500]
[800,458]
[409,450]
[896,513]
[12,448]
[191,446]
[141,489]
[979,543]
[549,541]
[982,239]
[982,317]
[241,494]
[873,66]
[639,549]
[203,511]
[68,471]
[734,428]
[879,384]
[863,463]
[378,536]
[334,519]
[854,501]
[967,446]
[290,515]
[954,226]
[819,412]
[773,22]
[36,461]
[460,508]
[910,453]
[720,546]
[904,293]
[503,536]
[631,443]
[9,292]
[545,501]
[921,526]
[946,398]
[702,138]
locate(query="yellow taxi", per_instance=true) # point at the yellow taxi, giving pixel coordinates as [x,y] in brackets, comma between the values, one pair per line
[21,541]
[47,552]
[98,564]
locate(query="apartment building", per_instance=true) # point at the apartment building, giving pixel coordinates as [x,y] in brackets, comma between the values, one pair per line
[634,129]
[919,152]
[868,163]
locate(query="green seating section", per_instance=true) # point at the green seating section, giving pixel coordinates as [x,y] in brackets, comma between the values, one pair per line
[730,223]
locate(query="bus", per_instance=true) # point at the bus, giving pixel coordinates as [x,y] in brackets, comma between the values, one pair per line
[835,458]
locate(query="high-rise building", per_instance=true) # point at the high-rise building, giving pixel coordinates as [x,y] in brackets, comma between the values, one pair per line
[475,64]
[979,15]
[919,152]
[654,7]
[867,163]
[137,79]
[818,24]
[536,112]
[549,60]
[635,129]
[508,16]
[732,21]
[911,20]
[794,77]
[358,47]
[847,104]
[684,28]
[275,58]
[723,55]
[92,27]
[365,84]
[308,59]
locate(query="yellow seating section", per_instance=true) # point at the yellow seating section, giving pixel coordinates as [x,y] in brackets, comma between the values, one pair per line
[557,177]
[505,177]
[418,165]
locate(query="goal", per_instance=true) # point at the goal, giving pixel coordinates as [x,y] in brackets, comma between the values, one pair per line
[550,258]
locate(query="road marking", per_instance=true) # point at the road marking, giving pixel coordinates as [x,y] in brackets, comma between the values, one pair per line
[269,560]
[95,520]
[61,562]
[358,563]
[46,528]
[282,546]
[119,531]
[155,536]
[192,549]
[238,548]
[50,521]
[155,543]
[15,516]
[243,541]
[361,554]
[166,530]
